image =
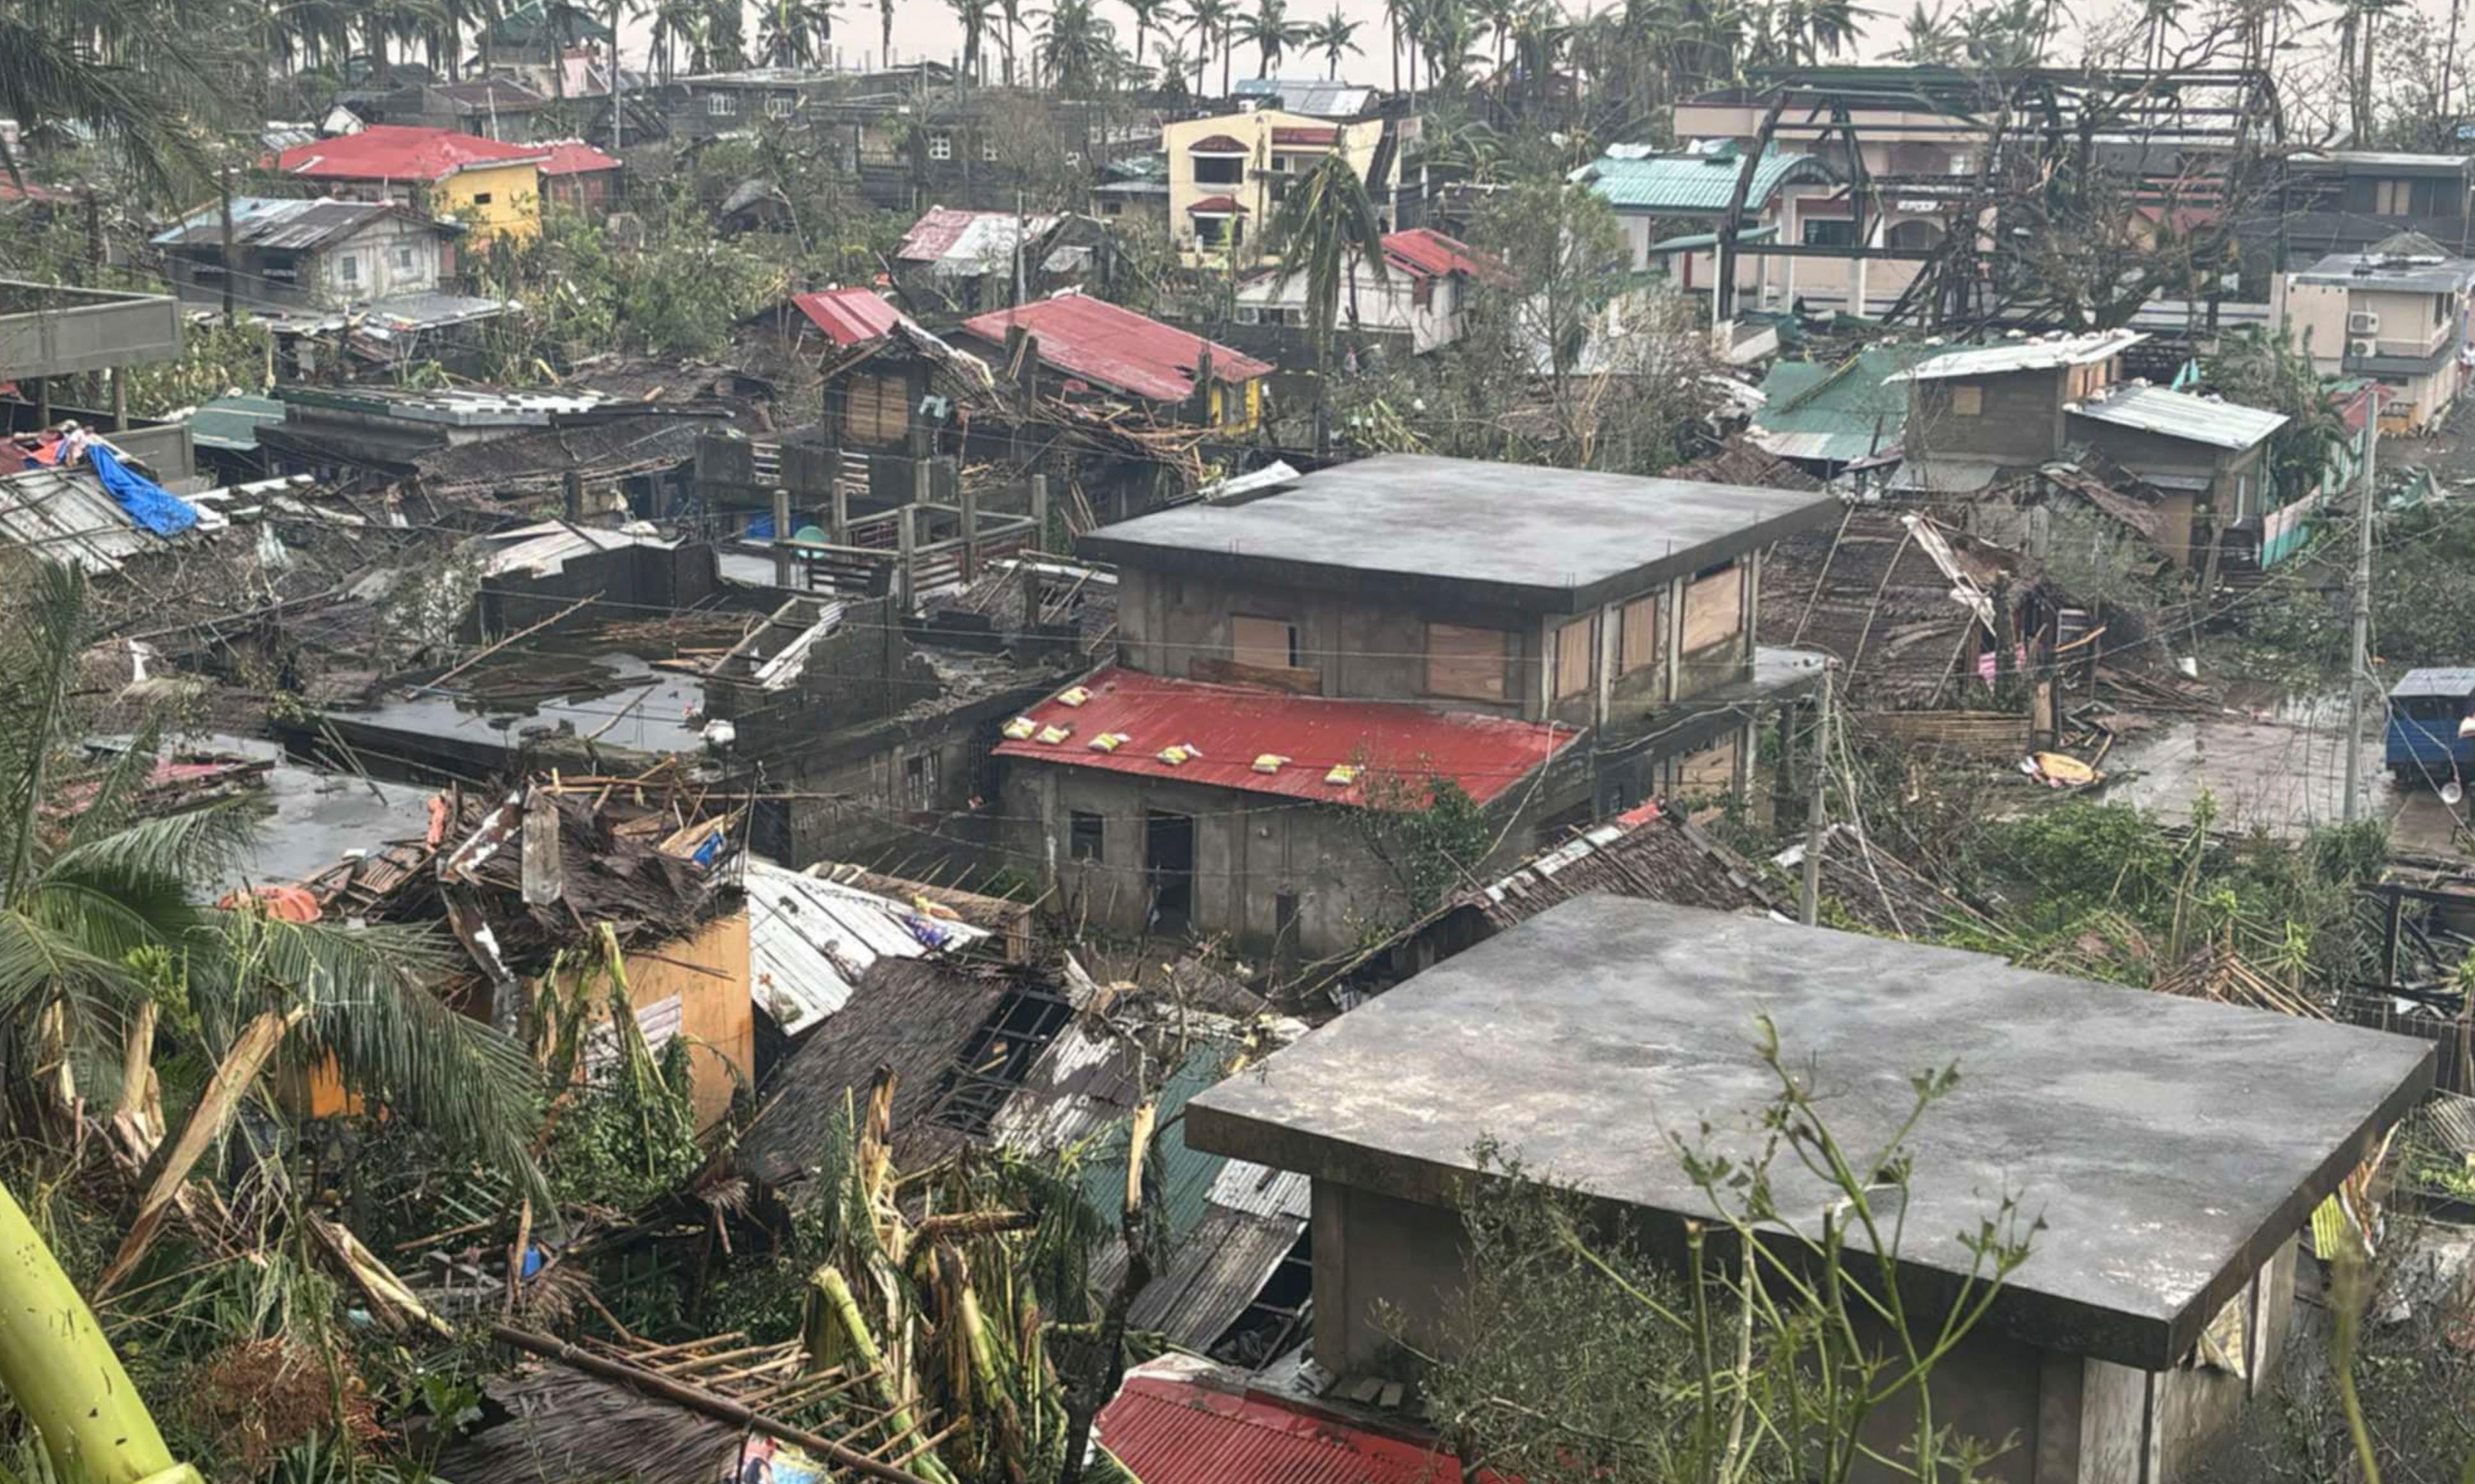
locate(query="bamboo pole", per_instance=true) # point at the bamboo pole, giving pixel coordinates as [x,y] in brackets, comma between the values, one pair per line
[696,1400]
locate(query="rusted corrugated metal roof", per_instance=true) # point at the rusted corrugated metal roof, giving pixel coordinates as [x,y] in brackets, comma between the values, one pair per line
[1425,250]
[810,940]
[283,224]
[1172,1429]
[1227,727]
[574,156]
[971,241]
[850,316]
[1116,347]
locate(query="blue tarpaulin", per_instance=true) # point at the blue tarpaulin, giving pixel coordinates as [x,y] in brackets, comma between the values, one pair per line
[149,504]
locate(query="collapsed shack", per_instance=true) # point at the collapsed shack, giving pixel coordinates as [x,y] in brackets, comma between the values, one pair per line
[557,872]
[1865,887]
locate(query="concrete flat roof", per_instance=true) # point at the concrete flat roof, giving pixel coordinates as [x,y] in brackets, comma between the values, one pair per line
[2171,1145]
[1553,540]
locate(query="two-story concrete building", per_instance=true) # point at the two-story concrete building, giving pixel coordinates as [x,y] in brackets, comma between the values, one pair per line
[2400,316]
[1417,300]
[2155,1299]
[1669,206]
[320,254]
[1560,644]
[2350,201]
[1228,173]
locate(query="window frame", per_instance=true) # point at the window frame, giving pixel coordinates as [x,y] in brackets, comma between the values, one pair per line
[1576,639]
[1239,648]
[1080,822]
[1428,679]
[941,144]
[1647,607]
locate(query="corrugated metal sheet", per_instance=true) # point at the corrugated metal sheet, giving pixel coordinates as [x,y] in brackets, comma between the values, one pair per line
[2045,353]
[1259,1190]
[1213,1273]
[1696,183]
[574,156]
[969,242]
[2452,683]
[67,516]
[1423,249]
[1172,1430]
[1313,97]
[2153,409]
[849,316]
[1118,348]
[232,423]
[543,549]
[281,223]
[810,940]
[1835,413]
[1228,727]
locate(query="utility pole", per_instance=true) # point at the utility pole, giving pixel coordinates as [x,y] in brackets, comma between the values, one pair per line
[225,177]
[1809,899]
[2356,660]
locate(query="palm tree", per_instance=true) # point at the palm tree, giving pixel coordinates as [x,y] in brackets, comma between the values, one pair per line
[974,16]
[1332,36]
[1322,230]
[1831,26]
[1926,39]
[1077,48]
[1011,10]
[884,33]
[1145,12]
[1209,22]
[112,65]
[1500,16]
[100,919]
[1174,64]
[794,33]
[1396,23]
[1271,32]
[725,35]
[677,24]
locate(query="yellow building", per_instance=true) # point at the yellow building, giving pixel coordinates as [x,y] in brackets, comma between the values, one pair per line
[494,190]
[1227,174]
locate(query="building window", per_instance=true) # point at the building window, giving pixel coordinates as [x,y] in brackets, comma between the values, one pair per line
[480,197]
[1466,663]
[1967,401]
[1637,636]
[1830,231]
[1248,314]
[941,145]
[720,104]
[989,148]
[1083,836]
[348,267]
[778,107]
[919,780]
[2393,198]
[1075,157]
[1268,643]
[1219,169]
[1714,608]
[1574,644]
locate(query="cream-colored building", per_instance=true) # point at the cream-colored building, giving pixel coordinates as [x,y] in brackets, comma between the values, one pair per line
[2400,319]
[1227,174]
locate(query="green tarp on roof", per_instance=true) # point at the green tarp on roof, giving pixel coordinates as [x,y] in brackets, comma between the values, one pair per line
[1694,183]
[1833,413]
[232,423]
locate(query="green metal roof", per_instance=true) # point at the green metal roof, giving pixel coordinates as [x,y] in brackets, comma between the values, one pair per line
[1835,413]
[1695,241]
[1694,183]
[1186,1174]
[232,423]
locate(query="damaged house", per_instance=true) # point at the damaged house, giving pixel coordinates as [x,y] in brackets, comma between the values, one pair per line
[1294,667]
[2153,1305]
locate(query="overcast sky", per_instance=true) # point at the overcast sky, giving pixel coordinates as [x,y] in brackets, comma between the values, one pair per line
[929,27]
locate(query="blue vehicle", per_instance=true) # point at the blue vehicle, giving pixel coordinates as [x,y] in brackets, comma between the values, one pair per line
[2423,741]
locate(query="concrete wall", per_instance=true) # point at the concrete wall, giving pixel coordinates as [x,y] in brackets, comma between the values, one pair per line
[1369,650]
[377,273]
[2058,1418]
[2018,421]
[47,330]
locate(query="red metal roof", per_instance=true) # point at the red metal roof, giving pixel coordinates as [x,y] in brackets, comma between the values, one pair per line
[1304,135]
[1115,347]
[401,151]
[1216,204]
[1218,144]
[1228,726]
[574,156]
[849,315]
[1425,252]
[11,190]
[1169,1430]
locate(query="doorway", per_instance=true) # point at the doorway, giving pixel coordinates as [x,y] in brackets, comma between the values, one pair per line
[1169,861]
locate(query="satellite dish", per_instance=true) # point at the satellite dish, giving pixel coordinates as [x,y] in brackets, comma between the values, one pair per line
[2451,793]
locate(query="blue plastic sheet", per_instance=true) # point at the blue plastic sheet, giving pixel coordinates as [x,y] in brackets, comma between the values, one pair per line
[149,504]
